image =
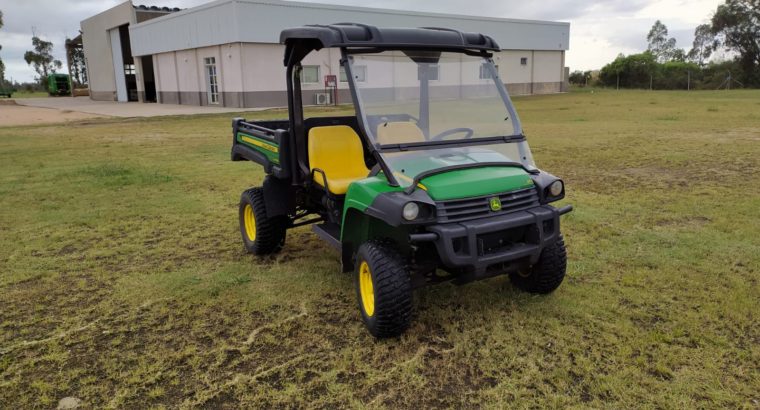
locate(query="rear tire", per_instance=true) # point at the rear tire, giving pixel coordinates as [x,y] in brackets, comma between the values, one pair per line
[261,235]
[547,274]
[383,289]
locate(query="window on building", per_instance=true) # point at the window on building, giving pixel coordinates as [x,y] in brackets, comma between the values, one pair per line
[523,60]
[434,73]
[310,74]
[360,71]
[129,69]
[212,85]
[485,73]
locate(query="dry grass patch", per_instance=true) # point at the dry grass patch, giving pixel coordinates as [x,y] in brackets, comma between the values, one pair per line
[125,285]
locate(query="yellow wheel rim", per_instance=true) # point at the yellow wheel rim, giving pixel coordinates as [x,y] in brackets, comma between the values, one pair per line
[366,289]
[249,221]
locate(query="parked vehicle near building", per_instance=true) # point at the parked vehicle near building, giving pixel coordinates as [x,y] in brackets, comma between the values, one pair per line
[430,181]
[58,84]
[6,92]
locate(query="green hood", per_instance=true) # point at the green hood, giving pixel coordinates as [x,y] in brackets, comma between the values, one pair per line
[466,183]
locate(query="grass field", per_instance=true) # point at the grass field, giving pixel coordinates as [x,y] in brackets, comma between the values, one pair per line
[123,281]
[30,94]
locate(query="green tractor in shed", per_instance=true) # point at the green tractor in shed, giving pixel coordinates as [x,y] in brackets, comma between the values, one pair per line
[431,180]
[58,84]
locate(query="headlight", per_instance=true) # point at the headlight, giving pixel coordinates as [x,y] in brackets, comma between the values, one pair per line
[555,189]
[411,211]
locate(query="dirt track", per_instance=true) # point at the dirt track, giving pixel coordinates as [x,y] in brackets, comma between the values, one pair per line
[13,115]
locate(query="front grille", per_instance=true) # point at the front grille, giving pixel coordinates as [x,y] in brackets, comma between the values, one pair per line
[458,210]
[494,242]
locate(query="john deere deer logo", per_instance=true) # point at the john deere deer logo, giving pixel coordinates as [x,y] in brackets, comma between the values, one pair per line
[495,204]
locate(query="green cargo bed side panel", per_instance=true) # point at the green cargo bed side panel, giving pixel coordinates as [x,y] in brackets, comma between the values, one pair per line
[466,183]
[268,148]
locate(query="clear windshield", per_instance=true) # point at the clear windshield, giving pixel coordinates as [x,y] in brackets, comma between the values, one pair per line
[423,97]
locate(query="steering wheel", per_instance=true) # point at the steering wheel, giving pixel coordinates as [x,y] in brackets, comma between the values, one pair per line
[468,133]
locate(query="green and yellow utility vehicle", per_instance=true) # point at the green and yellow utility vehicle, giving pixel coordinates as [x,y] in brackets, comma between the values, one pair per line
[431,180]
[6,92]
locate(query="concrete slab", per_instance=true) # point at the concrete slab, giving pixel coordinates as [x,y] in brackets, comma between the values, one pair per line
[15,115]
[123,109]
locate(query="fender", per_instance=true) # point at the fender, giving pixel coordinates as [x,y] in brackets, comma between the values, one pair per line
[372,209]
[375,197]
[361,194]
[279,197]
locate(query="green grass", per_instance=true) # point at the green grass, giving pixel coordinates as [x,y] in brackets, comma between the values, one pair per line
[30,94]
[123,281]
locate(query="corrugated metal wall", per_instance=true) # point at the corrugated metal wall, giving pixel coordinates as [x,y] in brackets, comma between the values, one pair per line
[258,21]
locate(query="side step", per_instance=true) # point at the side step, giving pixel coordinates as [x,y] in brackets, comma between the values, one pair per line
[330,232]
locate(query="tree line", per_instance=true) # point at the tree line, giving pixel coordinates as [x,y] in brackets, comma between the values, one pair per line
[41,59]
[734,30]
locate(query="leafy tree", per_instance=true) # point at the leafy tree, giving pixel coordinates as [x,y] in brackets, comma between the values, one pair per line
[679,55]
[634,71]
[703,45]
[78,69]
[641,70]
[676,75]
[737,27]
[41,59]
[714,74]
[662,47]
[580,77]
[27,86]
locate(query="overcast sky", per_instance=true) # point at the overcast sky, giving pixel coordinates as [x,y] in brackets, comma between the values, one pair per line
[599,29]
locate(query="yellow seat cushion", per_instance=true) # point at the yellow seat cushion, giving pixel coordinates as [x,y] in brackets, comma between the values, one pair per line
[336,150]
[399,132]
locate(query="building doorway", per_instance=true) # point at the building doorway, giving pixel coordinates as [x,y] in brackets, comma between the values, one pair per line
[149,80]
[212,82]
[125,75]
[118,65]
[130,74]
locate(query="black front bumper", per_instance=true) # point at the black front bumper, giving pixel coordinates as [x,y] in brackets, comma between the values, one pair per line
[477,245]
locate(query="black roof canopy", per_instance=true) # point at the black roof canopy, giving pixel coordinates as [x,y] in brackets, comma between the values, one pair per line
[300,41]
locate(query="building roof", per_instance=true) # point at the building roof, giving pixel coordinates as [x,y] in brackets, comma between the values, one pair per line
[143,7]
[261,21]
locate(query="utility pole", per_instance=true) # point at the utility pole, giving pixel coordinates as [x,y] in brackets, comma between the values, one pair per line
[617,87]
[650,82]
[688,80]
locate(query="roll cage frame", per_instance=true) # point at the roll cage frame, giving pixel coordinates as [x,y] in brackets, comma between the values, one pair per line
[354,38]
